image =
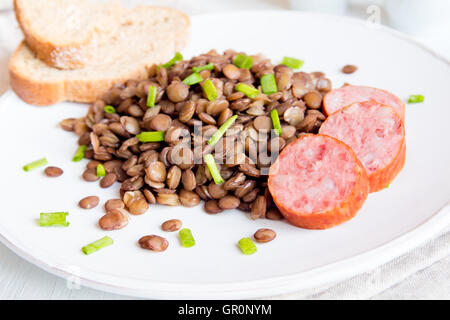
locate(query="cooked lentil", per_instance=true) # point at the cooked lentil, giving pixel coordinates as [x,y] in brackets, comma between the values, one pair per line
[108,180]
[90,175]
[114,204]
[349,68]
[53,172]
[171,225]
[114,219]
[264,235]
[172,172]
[154,243]
[89,202]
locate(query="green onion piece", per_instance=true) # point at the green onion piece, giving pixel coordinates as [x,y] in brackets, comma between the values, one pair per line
[101,172]
[192,79]
[209,66]
[110,109]
[151,97]
[292,63]
[242,61]
[268,83]
[211,163]
[247,246]
[35,164]
[97,245]
[219,133]
[187,240]
[79,154]
[276,121]
[151,136]
[210,90]
[416,98]
[54,219]
[387,186]
[178,57]
[249,91]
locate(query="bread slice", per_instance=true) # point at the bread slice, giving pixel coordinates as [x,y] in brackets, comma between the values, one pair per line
[146,36]
[63,33]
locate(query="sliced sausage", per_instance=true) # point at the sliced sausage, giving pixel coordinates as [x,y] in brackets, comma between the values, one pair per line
[342,97]
[377,135]
[317,182]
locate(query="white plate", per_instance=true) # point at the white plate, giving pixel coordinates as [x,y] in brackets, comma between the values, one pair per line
[391,222]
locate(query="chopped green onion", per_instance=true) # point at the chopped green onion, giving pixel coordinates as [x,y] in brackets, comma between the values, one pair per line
[249,91]
[97,245]
[268,83]
[101,172]
[219,133]
[292,63]
[242,61]
[192,79]
[209,66]
[211,163]
[151,136]
[416,98]
[387,186]
[54,219]
[79,154]
[276,121]
[210,90]
[151,97]
[110,109]
[178,57]
[187,240]
[35,164]
[247,246]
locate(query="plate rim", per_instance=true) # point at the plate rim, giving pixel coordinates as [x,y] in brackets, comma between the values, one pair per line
[327,274]
[273,286]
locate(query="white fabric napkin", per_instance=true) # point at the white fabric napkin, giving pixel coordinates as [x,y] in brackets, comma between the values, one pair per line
[398,279]
[5,4]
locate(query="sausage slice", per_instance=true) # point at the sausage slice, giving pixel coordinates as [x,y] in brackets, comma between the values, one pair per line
[317,182]
[342,97]
[377,135]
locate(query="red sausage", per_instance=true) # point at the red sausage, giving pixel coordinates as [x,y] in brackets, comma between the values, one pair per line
[342,97]
[317,182]
[377,135]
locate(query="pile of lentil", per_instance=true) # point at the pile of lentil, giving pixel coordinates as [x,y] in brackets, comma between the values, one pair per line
[172,172]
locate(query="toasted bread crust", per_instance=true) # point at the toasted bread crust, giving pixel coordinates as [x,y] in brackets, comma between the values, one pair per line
[48,52]
[32,92]
[42,92]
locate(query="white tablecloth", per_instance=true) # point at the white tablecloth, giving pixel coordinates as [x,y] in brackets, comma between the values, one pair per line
[421,274]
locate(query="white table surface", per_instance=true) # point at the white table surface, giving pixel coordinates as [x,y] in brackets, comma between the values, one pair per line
[423,273]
